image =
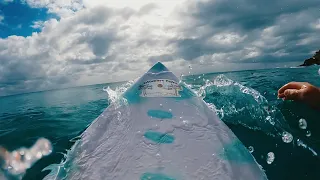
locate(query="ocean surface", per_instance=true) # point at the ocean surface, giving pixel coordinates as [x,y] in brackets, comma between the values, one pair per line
[245,100]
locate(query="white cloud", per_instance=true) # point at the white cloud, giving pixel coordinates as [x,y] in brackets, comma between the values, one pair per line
[37,24]
[226,38]
[316,25]
[98,41]
[63,8]
[95,45]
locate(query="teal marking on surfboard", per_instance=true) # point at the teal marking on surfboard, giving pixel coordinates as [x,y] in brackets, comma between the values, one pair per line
[160,114]
[236,152]
[158,67]
[161,138]
[133,94]
[186,93]
[155,176]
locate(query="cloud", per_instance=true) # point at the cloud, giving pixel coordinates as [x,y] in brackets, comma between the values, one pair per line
[63,8]
[95,41]
[37,24]
[251,28]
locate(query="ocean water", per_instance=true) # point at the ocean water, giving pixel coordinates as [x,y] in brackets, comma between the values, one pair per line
[246,101]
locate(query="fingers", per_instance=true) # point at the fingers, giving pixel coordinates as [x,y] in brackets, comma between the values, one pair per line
[291,85]
[281,95]
[292,94]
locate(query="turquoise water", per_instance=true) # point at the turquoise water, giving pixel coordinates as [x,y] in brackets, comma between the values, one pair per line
[244,100]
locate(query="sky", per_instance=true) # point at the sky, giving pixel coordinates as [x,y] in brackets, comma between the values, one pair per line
[49,44]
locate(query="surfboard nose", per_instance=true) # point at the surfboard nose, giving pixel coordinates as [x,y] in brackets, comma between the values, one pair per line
[158,67]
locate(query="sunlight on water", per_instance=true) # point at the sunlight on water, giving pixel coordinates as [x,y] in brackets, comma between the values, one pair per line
[16,163]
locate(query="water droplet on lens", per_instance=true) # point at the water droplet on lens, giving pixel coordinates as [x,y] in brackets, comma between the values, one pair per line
[302,123]
[299,142]
[251,149]
[268,118]
[170,110]
[270,157]
[44,147]
[287,137]
[308,133]
[161,105]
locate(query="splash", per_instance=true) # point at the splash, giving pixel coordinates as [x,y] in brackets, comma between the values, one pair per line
[114,96]
[16,163]
[302,144]
[237,104]
[59,171]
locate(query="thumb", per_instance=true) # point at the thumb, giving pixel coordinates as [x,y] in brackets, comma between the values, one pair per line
[292,94]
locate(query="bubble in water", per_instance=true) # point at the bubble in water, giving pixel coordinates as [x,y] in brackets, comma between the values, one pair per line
[308,133]
[270,157]
[302,123]
[287,137]
[161,105]
[170,110]
[251,149]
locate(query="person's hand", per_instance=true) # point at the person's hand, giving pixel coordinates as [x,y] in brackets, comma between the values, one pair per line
[301,91]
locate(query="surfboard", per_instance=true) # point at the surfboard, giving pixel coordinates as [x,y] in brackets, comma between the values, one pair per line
[161,130]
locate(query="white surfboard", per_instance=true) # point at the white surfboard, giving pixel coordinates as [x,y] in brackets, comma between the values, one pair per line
[163,131]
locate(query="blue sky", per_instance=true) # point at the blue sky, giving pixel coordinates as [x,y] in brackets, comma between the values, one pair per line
[47,44]
[18,18]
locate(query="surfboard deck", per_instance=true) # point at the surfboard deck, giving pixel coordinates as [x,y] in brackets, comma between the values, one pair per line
[161,131]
